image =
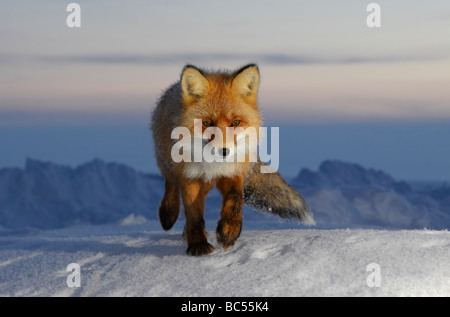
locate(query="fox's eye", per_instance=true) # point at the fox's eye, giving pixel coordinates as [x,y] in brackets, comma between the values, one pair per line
[207,123]
[235,123]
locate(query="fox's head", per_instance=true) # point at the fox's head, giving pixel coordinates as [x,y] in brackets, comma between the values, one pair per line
[221,100]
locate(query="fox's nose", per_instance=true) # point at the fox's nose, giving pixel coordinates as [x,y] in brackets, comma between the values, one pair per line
[224,151]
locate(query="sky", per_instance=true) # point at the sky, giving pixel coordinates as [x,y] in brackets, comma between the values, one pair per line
[322,70]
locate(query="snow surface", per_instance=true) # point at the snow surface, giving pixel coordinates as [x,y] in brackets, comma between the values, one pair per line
[103,217]
[135,260]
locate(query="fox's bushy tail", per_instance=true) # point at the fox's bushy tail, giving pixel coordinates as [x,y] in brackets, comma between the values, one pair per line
[269,192]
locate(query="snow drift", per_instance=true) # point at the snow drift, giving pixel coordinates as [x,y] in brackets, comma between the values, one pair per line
[48,196]
[135,261]
[346,194]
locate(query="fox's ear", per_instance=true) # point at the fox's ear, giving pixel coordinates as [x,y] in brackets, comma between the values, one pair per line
[193,84]
[246,82]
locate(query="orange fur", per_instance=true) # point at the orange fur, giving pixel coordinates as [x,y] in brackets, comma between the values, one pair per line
[219,98]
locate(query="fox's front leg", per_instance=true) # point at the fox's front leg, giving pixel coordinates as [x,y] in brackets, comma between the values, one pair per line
[170,206]
[194,195]
[230,223]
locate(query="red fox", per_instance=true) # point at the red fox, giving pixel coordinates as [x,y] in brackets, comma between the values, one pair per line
[219,100]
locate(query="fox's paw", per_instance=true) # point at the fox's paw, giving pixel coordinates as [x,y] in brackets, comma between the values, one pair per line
[167,216]
[228,232]
[200,249]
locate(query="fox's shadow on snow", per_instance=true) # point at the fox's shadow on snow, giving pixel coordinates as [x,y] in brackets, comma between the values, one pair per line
[154,244]
[96,256]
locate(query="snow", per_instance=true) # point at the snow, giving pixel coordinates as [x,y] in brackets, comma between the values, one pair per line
[139,261]
[370,229]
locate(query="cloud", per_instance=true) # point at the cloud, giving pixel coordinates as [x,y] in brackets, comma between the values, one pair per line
[167,59]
